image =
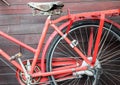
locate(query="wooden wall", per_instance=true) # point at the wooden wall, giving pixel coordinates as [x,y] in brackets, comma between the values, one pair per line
[17,21]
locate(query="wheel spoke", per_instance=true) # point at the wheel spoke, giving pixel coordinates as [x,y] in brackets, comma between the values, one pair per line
[103,81]
[82,42]
[107,46]
[113,83]
[78,41]
[59,53]
[66,82]
[90,43]
[64,52]
[103,42]
[108,53]
[110,56]
[113,76]
[67,49]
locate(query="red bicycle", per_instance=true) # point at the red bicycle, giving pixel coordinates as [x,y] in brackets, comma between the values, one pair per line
[84,50]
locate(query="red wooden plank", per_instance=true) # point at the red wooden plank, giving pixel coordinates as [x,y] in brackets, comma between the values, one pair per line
[21,19]
[83,6]
[13,2]
[28,39]
[8,80]
[29,19]
[14,9]
[10,49]
[9,19]
[92,6]
[13,49]
[24,29]
[34,28]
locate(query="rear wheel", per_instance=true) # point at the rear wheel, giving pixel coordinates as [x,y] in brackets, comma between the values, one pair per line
[61,56]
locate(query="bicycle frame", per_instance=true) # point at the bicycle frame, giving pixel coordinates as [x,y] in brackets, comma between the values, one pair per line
[89,15]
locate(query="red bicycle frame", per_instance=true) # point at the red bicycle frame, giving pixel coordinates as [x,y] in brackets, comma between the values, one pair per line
[89,15]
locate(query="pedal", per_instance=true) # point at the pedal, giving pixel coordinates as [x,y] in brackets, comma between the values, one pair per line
[18,55]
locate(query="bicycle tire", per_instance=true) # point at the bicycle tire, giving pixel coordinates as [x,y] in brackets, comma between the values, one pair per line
[110,67]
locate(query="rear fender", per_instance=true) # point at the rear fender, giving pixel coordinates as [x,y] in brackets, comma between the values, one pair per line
[55,33]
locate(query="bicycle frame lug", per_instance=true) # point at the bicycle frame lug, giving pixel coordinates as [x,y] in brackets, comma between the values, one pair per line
[90,70]
[86,64]
[49,17]
[64,36]
[28,66]
[18,55]
[68,12]
[77,64]
[86,72]
[75,74]
[73,69]
[74,43]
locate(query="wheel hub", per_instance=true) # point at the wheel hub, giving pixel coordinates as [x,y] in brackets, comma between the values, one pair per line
[91,71]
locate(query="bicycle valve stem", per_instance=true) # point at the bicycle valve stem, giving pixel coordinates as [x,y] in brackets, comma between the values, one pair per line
[18,55]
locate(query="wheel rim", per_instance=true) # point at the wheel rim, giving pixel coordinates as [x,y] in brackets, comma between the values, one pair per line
[106,56]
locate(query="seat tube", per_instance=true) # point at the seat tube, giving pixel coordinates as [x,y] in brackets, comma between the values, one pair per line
[40,44]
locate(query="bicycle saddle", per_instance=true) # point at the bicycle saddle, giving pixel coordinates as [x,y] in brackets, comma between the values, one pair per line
[46,6]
